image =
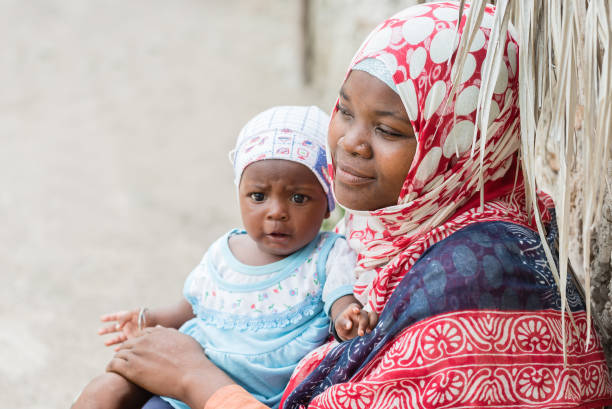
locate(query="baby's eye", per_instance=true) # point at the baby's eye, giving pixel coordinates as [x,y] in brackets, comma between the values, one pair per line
[257,196]
[298,198]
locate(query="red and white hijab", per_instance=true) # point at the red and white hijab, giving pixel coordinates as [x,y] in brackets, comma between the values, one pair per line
[441,193]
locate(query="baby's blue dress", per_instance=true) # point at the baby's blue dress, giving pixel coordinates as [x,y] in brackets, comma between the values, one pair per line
[257,322]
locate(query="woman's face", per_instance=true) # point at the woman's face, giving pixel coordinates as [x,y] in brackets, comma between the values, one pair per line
[372,144]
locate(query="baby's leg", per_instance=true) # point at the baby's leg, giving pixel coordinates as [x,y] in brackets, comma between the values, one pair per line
[111,391]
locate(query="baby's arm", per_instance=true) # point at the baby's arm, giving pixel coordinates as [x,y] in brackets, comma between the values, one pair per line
[344,310]
[126,322]
[350,319]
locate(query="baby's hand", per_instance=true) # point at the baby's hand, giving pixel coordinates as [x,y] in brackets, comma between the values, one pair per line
[126,324]
[354,321]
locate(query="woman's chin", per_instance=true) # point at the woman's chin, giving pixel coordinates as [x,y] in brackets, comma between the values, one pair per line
[363,197]
[353,200]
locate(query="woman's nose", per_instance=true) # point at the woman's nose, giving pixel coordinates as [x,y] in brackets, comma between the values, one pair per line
[277,210]
[355,141]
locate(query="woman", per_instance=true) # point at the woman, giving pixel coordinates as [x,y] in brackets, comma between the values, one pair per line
[469,311]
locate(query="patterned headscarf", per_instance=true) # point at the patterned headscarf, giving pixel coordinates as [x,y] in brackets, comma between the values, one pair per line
[294,133]
[440,193]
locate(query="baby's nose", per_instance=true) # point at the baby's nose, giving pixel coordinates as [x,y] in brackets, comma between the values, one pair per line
[278,211]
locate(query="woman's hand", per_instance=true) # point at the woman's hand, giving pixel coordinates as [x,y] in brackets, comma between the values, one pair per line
[168,363]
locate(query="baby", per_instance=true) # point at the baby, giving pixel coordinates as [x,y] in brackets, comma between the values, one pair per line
[262,297]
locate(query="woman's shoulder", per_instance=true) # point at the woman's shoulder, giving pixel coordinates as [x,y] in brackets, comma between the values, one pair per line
[492,264]
[494,248]
[489,233]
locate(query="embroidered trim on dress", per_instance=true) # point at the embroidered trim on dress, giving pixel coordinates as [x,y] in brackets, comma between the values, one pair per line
[309,307]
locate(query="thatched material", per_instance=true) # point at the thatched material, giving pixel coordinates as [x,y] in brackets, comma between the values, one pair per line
[565,58]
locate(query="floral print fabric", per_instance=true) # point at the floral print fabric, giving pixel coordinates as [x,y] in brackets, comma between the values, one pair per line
[475,323]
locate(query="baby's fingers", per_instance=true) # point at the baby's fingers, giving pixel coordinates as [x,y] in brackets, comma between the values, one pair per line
[114,316]
[373,318]
[344,323]
[119,338]
[344,326]
[363,324]
[120,316]
[109,329]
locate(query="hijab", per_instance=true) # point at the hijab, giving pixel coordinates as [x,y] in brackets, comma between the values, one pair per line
[416,50]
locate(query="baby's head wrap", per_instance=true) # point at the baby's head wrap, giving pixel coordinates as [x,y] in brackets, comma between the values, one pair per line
[295,133]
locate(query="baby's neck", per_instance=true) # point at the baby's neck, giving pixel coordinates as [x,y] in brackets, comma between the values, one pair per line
[247,252]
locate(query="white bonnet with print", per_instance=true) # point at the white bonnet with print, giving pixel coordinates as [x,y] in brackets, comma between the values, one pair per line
[295,133]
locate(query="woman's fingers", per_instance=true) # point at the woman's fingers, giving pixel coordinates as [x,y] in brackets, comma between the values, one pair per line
[158,361]
[119,363]
[128,344]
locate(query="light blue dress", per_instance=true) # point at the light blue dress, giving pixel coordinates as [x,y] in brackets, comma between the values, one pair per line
[257,322]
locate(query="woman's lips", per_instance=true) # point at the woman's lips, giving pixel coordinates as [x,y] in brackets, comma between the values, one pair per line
[350,176]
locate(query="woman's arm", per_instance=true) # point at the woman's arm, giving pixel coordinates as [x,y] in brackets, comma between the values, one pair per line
[168,363]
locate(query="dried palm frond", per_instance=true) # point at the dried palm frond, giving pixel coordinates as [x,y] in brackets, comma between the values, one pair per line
[565,97]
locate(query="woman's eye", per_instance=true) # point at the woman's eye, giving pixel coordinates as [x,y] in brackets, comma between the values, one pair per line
[297,198]
[343,110]
[257,197]
[389,132]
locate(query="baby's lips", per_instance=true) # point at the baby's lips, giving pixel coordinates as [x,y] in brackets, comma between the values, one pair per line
[278,234]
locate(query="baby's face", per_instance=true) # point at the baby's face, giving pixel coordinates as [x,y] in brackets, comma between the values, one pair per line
[282,205]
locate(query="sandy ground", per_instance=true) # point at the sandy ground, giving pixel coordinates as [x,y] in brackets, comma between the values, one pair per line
[115,122]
